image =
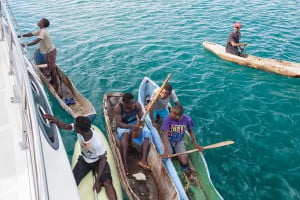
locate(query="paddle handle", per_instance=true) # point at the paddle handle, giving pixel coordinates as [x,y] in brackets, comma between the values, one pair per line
[220,144]
[139,124]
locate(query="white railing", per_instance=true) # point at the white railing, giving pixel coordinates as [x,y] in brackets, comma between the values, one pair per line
[23,95]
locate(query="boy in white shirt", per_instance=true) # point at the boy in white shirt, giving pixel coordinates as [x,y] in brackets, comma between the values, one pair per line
[93,154]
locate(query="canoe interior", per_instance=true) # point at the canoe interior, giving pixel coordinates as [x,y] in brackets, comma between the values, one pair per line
[158,184]
[203,180]
[81,107]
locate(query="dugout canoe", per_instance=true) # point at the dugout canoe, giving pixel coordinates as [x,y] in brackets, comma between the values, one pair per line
[281,67]
[198,185]
[67,90]
[158,184]
[85,187]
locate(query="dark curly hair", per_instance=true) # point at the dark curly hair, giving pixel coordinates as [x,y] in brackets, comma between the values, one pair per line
[83,123]
[127,97]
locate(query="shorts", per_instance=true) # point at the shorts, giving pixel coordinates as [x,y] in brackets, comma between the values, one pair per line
[139,140]
[82,168]
[163,113]
[177,147]
[39,58]
[51,58]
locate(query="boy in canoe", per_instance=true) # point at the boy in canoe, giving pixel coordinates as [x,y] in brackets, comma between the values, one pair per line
[233,44]
[47,50]
[93,154]
[127,114]
[160,108]
[175,126]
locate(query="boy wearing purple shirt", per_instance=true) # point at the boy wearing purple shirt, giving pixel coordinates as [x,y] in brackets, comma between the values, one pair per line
[175,126]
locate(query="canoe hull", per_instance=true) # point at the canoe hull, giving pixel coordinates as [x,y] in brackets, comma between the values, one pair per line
[81,107]
[146,88]
[85,187]
[285,68]
[206,188]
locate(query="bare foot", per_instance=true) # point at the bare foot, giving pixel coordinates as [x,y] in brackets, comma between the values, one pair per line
[144,165]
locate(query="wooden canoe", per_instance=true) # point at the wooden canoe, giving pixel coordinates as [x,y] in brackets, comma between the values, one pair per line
[197,185]
[158,184]
[81,107]
[85,187]
[281,67]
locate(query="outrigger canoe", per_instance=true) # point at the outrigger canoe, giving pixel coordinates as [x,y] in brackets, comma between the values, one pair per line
[85,187]
[139,184]
[281,67]
[70,99]
[198,185]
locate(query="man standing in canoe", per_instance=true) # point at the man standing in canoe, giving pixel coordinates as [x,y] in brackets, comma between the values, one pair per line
[93,154]
[127,114]
[160,108]
[175,126]
[47,49]
[233,44]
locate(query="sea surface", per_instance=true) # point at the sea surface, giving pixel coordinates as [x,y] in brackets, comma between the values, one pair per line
[108,46]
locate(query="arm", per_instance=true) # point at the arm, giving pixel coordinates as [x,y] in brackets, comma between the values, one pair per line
[26,35]
[140,114]
[59,123]
[34,42]
[140,111]
[102,163]
[231,40]
[238,44]
[118,117]
[197,146]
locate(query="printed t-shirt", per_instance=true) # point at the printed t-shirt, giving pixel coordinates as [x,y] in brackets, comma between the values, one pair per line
[177,129]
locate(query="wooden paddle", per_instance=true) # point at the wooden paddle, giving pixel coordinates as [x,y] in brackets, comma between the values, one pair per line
[242,49]
[95,192]
[150,106]
[220,144]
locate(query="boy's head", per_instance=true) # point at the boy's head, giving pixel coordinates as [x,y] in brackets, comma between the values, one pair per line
[82,124]
[43,23]
[166,91]
[128,101]
[176,112]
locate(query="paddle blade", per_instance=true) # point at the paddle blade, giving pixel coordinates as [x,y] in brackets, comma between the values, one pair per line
[220,144]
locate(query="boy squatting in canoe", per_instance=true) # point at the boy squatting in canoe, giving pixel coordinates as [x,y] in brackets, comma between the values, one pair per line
[93,154]
[174,126]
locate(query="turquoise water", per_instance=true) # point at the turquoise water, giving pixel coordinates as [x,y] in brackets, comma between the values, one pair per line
[107,46]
